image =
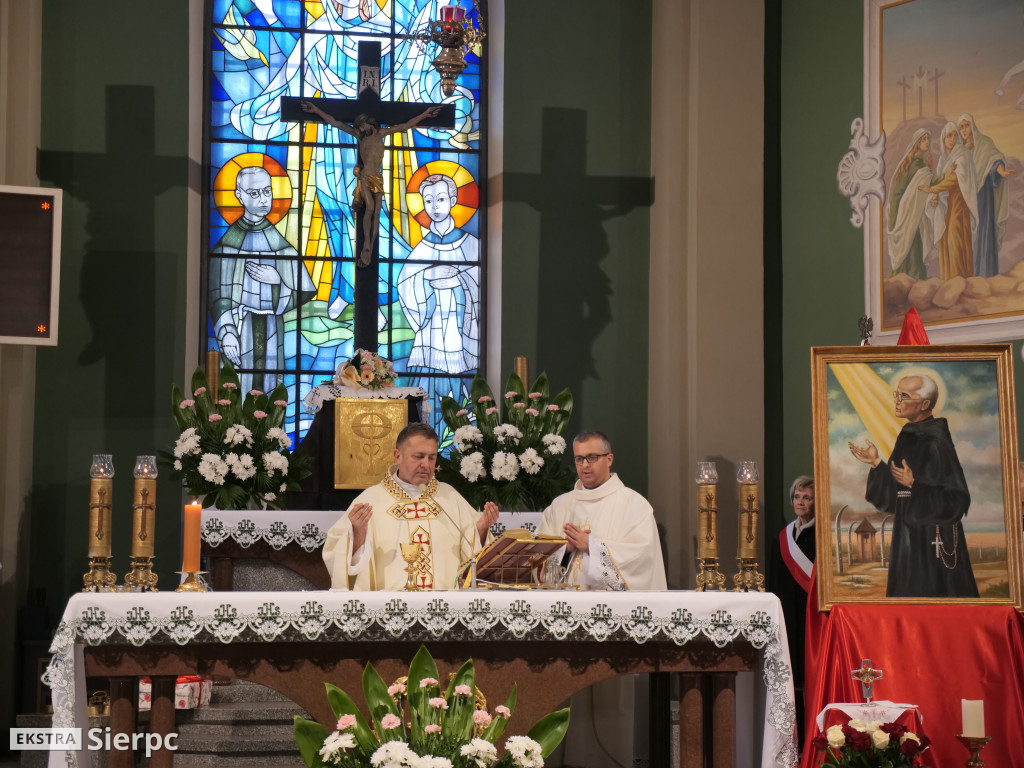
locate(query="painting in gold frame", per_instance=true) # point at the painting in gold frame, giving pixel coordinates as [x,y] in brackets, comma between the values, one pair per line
[935,516]
[364,439]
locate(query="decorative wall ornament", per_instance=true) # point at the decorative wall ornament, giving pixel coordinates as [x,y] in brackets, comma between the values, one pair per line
[861,171]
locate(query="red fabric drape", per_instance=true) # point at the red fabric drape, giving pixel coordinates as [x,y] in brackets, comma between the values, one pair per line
[931,656]
[912,331]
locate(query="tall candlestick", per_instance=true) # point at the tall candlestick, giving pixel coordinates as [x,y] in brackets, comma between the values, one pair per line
[707,509]
[190,537]
[213,373]
[973,713]
[144,506]
[100,492]
[749,509]
[521,365]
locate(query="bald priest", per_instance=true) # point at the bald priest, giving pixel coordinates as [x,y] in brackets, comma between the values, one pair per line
[363,549]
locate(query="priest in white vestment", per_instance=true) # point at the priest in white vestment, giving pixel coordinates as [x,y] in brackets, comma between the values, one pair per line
[613,544]
[363,549]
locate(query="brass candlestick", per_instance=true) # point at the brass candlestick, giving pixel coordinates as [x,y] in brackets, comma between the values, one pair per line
[192,583]
[99,576]
[974,745]
[141,576]
[410,553]
[748,577]
[709,577]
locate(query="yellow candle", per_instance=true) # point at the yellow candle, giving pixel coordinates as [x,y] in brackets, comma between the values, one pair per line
[190,536]
[973,713]
[749,512]
[707,520]
[99,516]
[143,517]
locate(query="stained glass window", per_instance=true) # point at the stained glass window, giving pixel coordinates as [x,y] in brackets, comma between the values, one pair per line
[281,232]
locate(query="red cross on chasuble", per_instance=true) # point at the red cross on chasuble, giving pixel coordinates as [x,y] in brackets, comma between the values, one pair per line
[418,515]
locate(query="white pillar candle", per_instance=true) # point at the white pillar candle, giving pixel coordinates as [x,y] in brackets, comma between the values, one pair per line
[973,718]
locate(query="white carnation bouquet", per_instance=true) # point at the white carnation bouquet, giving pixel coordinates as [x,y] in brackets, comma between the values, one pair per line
[509,451]
[233,450]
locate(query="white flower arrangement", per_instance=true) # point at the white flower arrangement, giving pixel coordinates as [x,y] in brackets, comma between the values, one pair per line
[445,729]
[507,454]
[232,449]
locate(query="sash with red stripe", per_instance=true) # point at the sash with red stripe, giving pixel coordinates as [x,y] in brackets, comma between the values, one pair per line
[799,565]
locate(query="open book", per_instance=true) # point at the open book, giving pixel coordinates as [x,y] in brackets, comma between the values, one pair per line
[511,560]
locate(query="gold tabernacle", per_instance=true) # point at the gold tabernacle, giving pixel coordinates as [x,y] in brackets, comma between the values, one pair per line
[510,560]
[364,438]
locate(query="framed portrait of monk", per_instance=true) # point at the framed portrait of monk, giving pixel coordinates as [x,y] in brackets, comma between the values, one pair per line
[916,475]
[944,112]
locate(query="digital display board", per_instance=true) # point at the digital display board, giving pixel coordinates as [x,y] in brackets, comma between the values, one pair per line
[29,264]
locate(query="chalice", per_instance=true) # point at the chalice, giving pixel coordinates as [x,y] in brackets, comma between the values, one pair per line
[410,553]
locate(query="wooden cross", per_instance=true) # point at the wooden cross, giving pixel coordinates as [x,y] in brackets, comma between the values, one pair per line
[935,75]
[905,85]
[393,113]
[867,676]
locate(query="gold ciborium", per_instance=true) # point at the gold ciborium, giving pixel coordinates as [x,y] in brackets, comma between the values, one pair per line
[411,553]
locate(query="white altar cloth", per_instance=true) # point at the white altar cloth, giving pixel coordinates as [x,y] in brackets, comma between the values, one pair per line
[322,616]
[314,399]
[307,528]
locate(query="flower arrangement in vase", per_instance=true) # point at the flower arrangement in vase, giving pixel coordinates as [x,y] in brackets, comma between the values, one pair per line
[419,723]
[367,370]
[232,450]
[508,451]
[859,744]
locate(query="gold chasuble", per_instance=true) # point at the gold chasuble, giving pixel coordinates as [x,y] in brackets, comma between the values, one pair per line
[436,517]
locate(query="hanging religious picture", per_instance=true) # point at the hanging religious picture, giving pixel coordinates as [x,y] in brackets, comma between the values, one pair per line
[916,455]
[944,232]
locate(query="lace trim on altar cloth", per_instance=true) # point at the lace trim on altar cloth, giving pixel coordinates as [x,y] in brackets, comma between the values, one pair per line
[278,534]
[438,619]
[315,398]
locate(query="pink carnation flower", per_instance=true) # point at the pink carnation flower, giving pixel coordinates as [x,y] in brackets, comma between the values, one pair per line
[389,722]
[438,702]
[532,411]
[187,404]
[432,728]
[481,718]
[199,391]
[511,394]
[462,690]
[346,721]
[280,403]
[485,399]
[518,405]
[223,402]
[552,407]
[260,414]
[255,392]
[462,412]
[427,681]
[397,688]
[489,411]
[502,710]
[230,385]
[215,417]
[536,395]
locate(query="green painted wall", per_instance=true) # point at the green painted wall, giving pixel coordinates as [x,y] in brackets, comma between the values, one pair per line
[575,257]
[114,124]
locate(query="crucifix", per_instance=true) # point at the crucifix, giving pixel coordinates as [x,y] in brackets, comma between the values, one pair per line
[905,85]
[867,675]
[363,118]
[934,75]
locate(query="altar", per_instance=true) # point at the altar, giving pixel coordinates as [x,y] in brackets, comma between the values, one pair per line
[549,643]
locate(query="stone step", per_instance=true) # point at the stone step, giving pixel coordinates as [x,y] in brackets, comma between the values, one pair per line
[238,760]
[241,712]
[243,690]
[236,738]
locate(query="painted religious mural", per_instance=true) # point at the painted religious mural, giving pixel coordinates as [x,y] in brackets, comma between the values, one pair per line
[945,84]
[281,232]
